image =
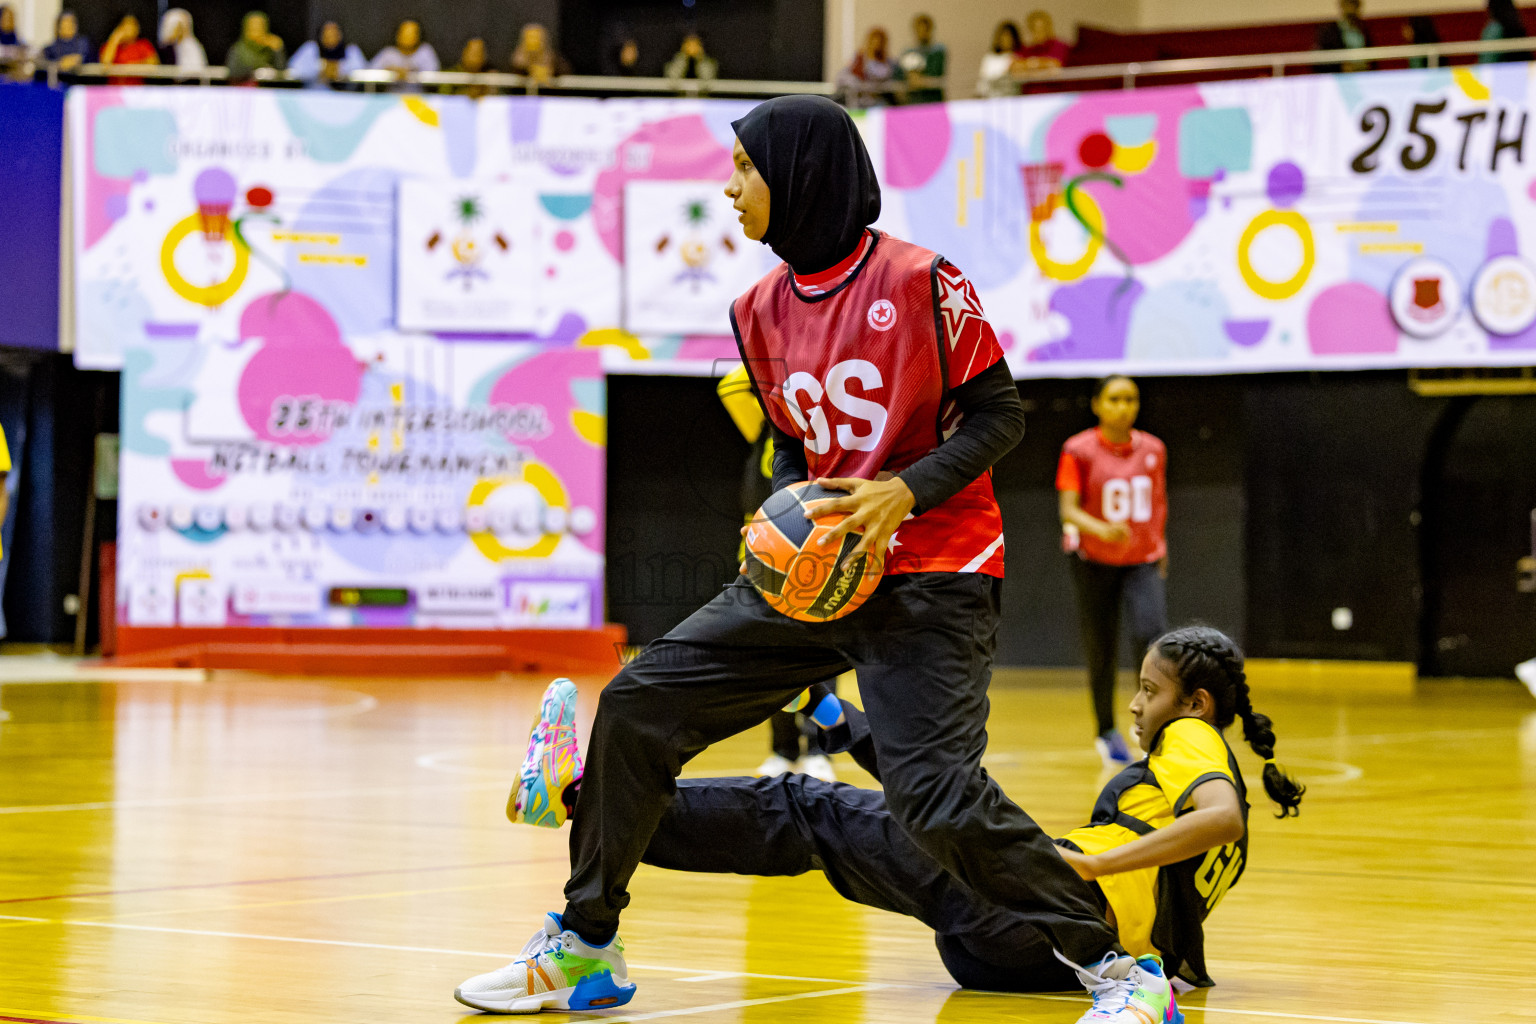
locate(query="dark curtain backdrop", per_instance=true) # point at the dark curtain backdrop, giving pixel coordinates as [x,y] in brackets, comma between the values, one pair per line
[1291,495]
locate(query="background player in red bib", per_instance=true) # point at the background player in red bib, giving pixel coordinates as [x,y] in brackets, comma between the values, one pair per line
[1112,487]
[879,376]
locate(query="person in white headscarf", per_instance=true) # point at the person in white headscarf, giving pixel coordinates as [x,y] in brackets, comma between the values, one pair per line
[176,35]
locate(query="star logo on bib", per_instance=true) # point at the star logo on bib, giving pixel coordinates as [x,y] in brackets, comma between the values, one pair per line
[882,315]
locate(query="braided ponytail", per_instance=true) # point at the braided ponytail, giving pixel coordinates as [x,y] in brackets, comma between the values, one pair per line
[1206,659]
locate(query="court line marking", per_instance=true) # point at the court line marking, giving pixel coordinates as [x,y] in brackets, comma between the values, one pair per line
[273,881]
[1192,1008]
[246,798]
[854,987]
[75,1017]
[742,1003]
[693,971]
[339,899]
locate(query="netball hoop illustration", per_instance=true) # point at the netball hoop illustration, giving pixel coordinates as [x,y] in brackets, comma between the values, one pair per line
[214,190]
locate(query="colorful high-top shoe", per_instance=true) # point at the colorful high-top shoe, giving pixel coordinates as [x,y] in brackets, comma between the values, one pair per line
[553,763]
[1128,990]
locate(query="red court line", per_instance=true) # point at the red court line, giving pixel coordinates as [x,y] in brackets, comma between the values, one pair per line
[39,1020]
[276,881]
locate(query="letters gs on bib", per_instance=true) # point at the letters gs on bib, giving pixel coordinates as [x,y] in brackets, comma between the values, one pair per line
[1428,132]
[864,424]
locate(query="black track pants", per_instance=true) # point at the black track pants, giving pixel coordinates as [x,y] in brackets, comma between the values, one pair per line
[922,646]
[1101,591]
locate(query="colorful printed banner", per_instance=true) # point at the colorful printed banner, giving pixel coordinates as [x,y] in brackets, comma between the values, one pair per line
[1321,222]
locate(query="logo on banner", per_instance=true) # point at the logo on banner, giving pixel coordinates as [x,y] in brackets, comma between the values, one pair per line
[882,315]
[1426,298]
[1504,295]
[469,249]
[550,604]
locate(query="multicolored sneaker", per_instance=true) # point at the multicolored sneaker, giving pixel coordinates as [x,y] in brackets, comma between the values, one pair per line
[1128,990]
[553,762]
[1112,749]
[556,971]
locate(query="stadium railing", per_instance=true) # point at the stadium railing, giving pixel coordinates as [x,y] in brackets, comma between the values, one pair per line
[1097,76]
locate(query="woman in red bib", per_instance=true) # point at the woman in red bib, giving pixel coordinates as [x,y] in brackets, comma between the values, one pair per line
[879,376]
[1112,489]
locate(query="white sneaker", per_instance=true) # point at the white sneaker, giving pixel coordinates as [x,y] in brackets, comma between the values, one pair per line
[775,765]
[817,766]
[1526,673]
[557,971]
[1126,990]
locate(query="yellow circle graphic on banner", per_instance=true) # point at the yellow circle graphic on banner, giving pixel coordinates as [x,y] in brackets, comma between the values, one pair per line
[1263,287]
[549,488]
[204,295]
[1077,268]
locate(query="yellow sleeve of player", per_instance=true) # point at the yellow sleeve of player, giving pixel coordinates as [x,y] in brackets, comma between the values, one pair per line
[1189,753]
[735,391]
[5,454]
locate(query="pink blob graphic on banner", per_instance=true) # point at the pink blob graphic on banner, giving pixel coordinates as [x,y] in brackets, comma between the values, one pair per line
[302,356]
[678,149]
[565,241]
[549,380]
[1148,214]
[1350,319]
[106,198]
[194,473]
[916,141]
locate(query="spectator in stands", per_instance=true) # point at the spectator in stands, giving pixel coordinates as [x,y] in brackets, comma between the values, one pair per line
[1419,30]
[628,58]
[471,62]
[329,59]
[1504,22]
[997,67]
[409,55]
[176,36]
[69,48]
[255,50]
[691,62]
[12,49]
[1347,32]
[866,81]
[536,58]
[1042,50]
[126,46]
[923,64]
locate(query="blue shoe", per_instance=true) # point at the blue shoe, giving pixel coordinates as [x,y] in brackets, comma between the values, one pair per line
[1111,747]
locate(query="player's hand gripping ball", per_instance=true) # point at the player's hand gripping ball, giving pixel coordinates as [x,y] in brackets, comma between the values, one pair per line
[796,574]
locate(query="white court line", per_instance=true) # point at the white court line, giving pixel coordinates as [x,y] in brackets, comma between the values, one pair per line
[427,949]
[243,798]
[741,1003]
[1274,1014]
[854,987]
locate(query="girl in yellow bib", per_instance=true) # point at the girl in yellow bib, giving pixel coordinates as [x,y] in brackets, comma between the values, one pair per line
[1167,838]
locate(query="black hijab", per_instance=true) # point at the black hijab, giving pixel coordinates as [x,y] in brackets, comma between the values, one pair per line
[822,187]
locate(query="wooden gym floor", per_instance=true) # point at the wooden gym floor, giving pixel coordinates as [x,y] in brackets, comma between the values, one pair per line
[243,849]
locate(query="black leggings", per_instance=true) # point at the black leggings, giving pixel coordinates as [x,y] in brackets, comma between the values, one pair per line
[1100,591]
